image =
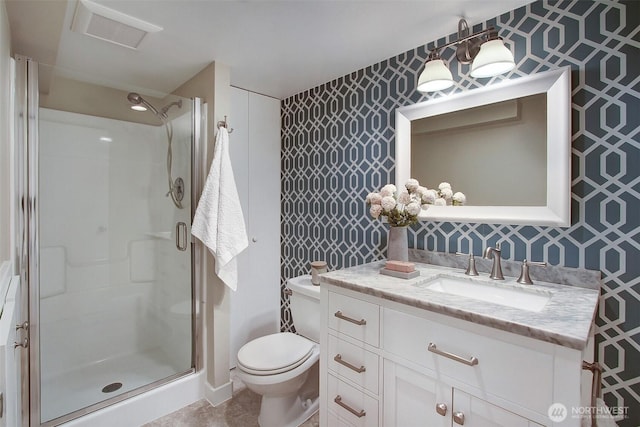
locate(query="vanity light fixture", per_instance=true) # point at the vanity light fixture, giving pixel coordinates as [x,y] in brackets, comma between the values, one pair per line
[436,74]
[484,50]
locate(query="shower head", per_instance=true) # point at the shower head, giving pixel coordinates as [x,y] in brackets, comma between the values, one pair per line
[136,99]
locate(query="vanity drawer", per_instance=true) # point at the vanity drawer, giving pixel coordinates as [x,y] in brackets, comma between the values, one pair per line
[356,318]
[353,363]
[334,421]
[350,404]
[516,373]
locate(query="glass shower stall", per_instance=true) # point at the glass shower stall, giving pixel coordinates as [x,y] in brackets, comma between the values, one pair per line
[111,286]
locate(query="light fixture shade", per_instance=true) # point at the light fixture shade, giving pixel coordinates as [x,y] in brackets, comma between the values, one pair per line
[435,76]
[493,59]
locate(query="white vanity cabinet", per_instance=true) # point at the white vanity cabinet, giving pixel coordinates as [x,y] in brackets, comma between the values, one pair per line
[406,366]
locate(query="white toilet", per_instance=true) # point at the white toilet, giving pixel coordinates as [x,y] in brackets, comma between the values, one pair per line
[283,367]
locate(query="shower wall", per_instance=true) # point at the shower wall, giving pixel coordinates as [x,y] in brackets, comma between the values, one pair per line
[105,246]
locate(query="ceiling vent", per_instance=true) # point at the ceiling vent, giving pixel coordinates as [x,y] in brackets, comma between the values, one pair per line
[110,25]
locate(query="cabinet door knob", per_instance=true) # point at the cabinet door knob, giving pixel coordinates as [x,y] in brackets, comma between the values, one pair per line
[441,409]
[458,417]
[254,239]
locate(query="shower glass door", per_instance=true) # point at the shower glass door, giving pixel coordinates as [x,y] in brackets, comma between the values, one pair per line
[115,259]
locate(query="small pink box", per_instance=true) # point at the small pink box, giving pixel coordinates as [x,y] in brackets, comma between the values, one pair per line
[404,267]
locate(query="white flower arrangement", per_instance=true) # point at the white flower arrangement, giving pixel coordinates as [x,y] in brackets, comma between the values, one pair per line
[402,209]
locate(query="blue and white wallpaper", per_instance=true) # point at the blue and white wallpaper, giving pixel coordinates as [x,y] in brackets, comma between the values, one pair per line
[338,145]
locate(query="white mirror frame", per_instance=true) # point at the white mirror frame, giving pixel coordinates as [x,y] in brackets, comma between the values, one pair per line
[557,212]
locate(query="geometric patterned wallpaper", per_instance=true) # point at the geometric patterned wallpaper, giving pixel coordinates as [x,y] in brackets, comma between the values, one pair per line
[338,145]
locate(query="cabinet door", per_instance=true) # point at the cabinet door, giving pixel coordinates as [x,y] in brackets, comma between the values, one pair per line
[264,216]
[410,398]
[480,413]
[254,148]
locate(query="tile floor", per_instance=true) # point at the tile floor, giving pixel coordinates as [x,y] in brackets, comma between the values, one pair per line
[241,411]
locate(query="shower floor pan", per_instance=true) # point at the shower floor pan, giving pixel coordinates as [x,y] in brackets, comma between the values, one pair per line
[77,389]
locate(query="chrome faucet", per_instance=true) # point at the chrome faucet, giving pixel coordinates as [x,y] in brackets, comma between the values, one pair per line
[496,270]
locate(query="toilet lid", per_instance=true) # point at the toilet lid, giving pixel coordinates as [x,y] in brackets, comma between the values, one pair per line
[274,353]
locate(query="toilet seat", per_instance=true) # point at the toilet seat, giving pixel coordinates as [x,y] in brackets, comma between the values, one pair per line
[274,354]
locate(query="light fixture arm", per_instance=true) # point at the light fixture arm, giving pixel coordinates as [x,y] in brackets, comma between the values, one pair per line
[468,44]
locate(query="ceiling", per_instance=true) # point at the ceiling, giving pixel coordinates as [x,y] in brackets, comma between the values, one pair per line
[278,48]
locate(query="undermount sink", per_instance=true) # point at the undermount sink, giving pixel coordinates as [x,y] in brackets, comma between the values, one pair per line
[515,297]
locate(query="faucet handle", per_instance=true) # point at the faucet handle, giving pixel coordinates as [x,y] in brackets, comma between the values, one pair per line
[471,267]
[524,278]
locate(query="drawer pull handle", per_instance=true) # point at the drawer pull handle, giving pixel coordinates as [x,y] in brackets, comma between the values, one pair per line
[358,414]
[360,322]
[441,409]
[472,361]
[458,417]
[338,358]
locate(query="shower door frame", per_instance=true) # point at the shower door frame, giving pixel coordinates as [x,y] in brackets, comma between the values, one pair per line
[27,101]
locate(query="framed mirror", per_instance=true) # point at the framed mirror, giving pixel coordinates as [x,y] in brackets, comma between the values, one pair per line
[506,146]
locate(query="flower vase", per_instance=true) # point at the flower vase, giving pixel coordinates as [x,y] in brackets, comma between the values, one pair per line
[397,244]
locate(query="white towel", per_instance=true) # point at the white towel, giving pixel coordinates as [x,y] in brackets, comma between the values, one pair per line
[218,221]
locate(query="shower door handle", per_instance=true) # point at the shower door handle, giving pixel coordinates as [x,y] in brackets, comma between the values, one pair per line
[181,236]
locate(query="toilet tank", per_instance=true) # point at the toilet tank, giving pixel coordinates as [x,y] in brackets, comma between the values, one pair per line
[304,304]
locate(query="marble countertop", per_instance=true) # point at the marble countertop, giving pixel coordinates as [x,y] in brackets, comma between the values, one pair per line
[566,319]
